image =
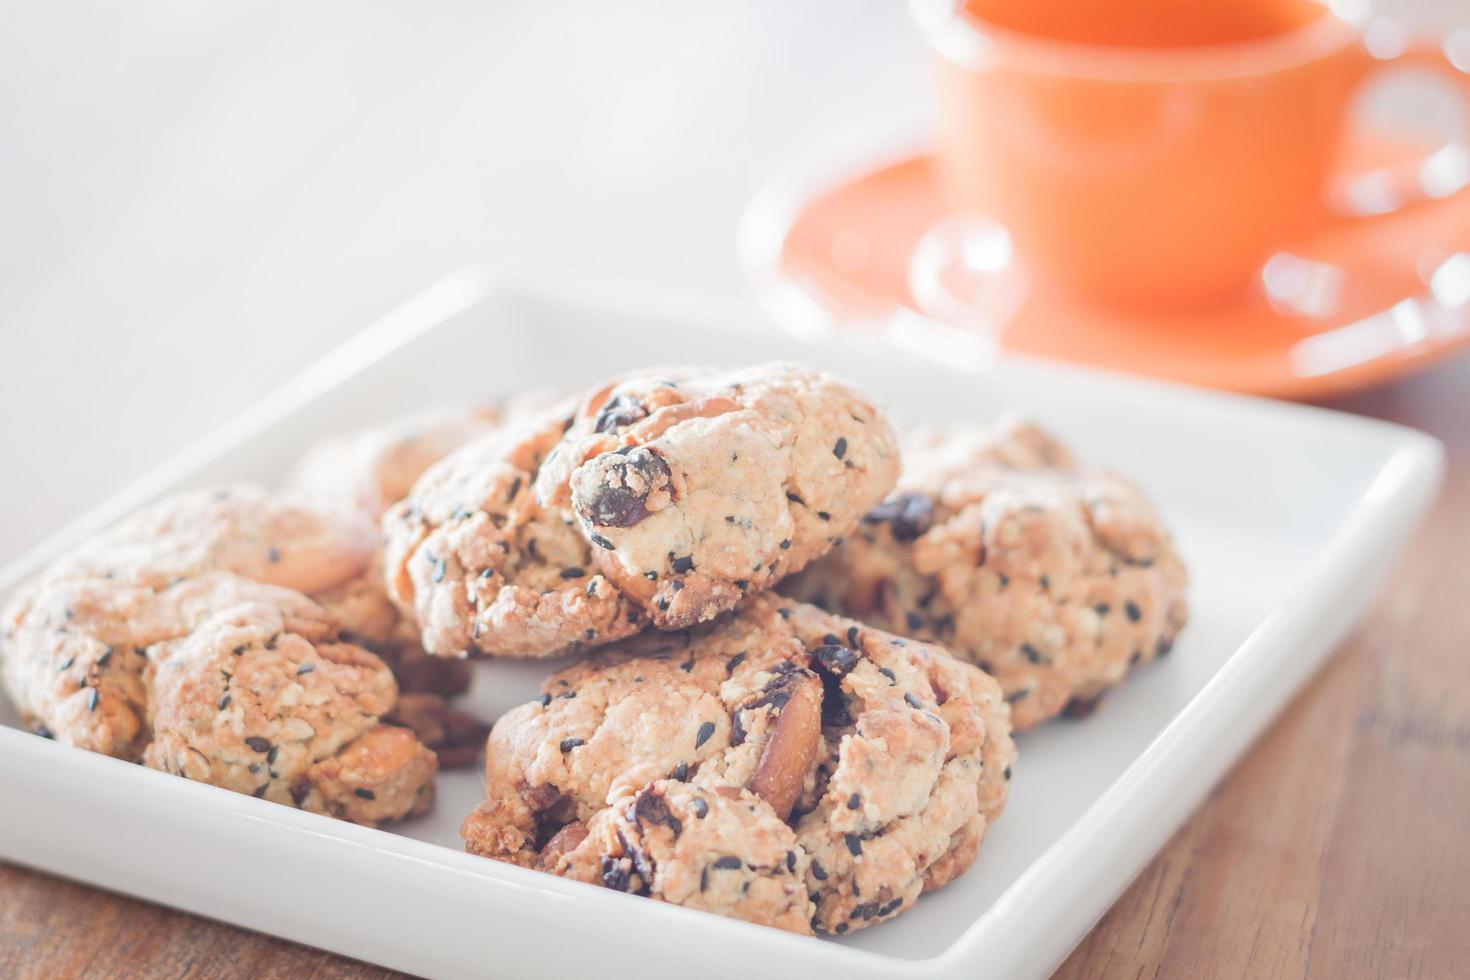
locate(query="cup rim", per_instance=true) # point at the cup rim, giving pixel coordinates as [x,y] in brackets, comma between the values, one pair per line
[973,43]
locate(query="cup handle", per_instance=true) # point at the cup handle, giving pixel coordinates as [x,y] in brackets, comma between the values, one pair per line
[1439,174]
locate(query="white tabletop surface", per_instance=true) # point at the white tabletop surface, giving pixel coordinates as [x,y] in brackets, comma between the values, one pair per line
[197,199]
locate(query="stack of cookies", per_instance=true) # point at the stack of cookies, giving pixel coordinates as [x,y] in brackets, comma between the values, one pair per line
[797,669]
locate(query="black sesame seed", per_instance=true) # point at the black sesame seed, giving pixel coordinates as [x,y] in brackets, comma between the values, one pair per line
[1101,608]
[913,702]
[727,863]
[1004,580]
[854,801]
[365,794]
[913,620]
[238,650]
[854,844]
[1134,613]
[91,699]
[270,756]
[1015,696]
[106,656]
[572,572]
[705,731]
[273,555]
[602,542]
[700,807]
[1164,646]
[589,634]
[818,872]
[545,699]
[735,661]
[438,569]
[824,515]
[677,585]
[66,664]
[682,564]
[299,792]
[305,669]
[1008,772]
[258,744]
[790,860]
[839,448]
[651,576]
[795,498]
[567,695]
[841,928]
[1032,654]
[224,702]
[259,791]
[1045,583]
[785,544]
[567,744]
[663,605]
[892,677]
[681,771]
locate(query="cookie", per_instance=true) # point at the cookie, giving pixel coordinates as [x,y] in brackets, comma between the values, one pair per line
[78,644]
[1054,578]
[276,538]
[262,698]
[884,758]
[481,565]
[665,498]
[368,470]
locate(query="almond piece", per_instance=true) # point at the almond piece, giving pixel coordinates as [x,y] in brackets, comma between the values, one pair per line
[791,750]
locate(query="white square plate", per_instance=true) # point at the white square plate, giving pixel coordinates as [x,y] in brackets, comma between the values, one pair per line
[1286,515]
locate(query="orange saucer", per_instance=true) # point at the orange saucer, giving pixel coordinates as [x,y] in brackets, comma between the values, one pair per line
[1366,300]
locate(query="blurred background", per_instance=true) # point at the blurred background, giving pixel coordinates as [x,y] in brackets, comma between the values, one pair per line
[199,199]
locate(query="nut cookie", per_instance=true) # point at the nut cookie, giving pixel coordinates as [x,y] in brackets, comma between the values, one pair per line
[484,566]
[1054,578]
[273,537]
[368,470]
[664,498]
[885,758]
[262,698]
[699,487]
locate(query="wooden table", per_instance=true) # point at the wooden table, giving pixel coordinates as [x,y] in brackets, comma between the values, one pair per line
[1339,848]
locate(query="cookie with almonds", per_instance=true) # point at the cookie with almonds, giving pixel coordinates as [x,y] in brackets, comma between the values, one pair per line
[666,497]
[263,698]
[482,565]
[1054,578]
[885,759]
[368,470]
[78,640]
[273,537]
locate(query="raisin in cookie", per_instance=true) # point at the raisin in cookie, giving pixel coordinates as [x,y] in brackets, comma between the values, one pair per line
[1054,578]
[885,760]
[261,697]
[665,497]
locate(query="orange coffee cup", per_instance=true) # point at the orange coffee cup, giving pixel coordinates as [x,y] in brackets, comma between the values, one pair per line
[1155,153]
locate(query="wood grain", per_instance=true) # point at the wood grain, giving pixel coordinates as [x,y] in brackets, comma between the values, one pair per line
[1339,848]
